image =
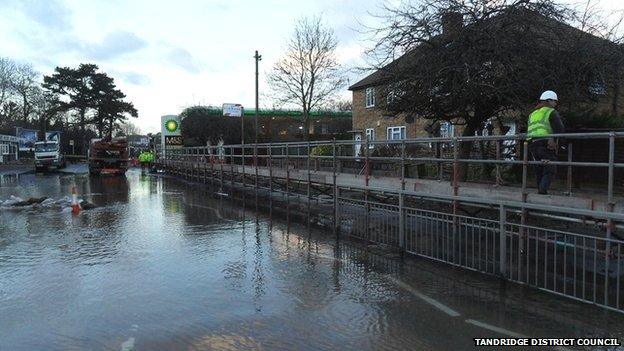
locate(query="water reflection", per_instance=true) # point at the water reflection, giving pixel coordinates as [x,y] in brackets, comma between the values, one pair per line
[9,179]
[107,190]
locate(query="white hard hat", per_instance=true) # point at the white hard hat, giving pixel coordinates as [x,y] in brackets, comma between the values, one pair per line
[548,95]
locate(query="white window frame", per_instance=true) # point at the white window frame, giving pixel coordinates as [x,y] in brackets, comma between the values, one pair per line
[370,97]
[370,136]
[4,148]
[393,131]
[447,130]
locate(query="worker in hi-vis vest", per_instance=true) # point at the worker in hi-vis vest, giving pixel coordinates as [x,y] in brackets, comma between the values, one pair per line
[145,159]
[543,122]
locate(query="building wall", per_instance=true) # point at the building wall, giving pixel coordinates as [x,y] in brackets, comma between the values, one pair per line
[376,118]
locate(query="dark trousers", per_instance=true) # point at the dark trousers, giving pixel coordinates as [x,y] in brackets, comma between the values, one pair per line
[544,172]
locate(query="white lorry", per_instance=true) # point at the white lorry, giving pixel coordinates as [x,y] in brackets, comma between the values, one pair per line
[47,155]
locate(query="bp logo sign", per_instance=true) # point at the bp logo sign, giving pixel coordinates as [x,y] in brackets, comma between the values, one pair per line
[171,125]
[171,135]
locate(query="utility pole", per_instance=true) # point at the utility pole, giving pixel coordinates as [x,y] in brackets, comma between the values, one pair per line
[258,58]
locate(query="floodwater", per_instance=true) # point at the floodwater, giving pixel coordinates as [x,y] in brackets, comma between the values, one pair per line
[161,264]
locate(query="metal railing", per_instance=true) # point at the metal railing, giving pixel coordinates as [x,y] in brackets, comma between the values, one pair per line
[583,267]
[519,240]
[497,152]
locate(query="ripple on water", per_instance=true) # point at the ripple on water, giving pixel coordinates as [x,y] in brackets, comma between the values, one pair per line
[225,342]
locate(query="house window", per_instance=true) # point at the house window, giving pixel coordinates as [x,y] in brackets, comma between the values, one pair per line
[4,149]
[370,97]
[447,130]
[370,136]
[396,133]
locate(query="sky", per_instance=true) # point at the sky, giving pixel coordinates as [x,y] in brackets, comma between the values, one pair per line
[167,55]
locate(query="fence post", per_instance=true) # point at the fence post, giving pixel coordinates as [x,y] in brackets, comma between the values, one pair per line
[212,169]
[338,161]
[439,157]
[524,214]
[336,211]
[366,164]
[367,192]
[243,165]
[336,219]
[402,222]
[334,159]
[569,180]
[498,158]
[502,254]
[271,168]
[525,166]
[221,163]
[610,207]
[232,166]
[403,164]
[455,179]
[205,163]
[309,174]
[256,163]
[336,204]
[287,172]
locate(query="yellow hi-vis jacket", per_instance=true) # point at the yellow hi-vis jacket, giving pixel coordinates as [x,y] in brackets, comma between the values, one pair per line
[539,123]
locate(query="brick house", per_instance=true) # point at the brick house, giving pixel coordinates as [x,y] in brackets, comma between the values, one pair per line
[370,94]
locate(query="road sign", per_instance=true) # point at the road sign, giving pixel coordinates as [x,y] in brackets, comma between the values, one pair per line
[71,142]
[173,140]
[171,125]
[233,110]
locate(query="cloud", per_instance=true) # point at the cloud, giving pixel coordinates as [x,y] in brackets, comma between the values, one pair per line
[114,44]
[134,78]
[51,14]
[183,59]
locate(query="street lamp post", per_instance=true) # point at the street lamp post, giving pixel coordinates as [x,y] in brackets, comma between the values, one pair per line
[258,58]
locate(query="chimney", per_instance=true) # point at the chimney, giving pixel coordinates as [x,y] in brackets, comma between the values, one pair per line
[452,23]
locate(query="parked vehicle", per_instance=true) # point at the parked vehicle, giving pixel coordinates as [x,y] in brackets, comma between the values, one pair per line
[48,155]
[108,156]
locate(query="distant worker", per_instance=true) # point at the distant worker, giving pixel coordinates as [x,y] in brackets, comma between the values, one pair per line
[145,159]
[543,121]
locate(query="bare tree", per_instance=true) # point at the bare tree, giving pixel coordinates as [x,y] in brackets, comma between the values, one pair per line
[129,128]
[7,75]
[27,88]
[344,105]
[308,75]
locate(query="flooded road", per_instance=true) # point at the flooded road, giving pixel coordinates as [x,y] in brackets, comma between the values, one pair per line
[161,264]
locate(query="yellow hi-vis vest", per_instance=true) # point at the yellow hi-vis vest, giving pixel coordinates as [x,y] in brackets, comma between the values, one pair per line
[539,123]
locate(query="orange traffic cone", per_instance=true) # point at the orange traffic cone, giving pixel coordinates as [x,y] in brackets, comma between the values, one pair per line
[75,205]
